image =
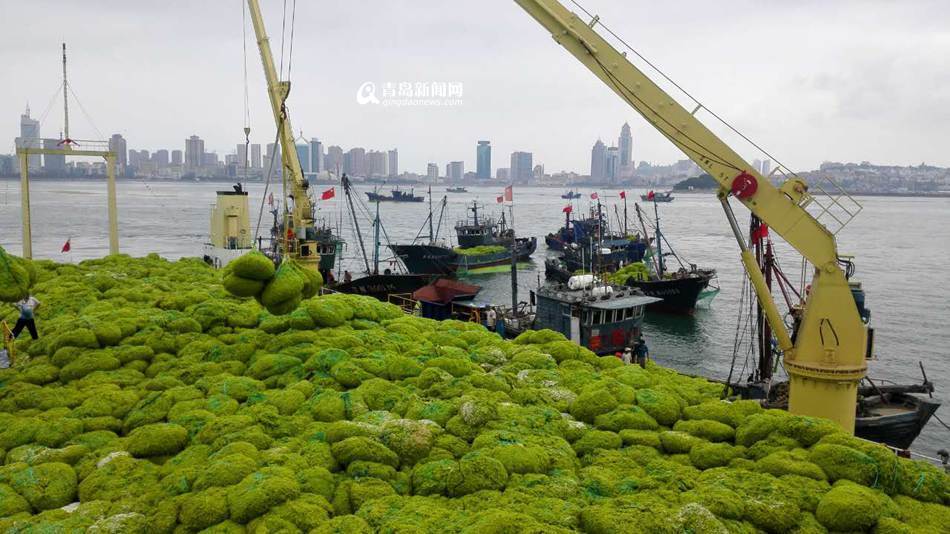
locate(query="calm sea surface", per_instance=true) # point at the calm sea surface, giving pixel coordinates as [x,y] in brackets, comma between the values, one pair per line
[901,247]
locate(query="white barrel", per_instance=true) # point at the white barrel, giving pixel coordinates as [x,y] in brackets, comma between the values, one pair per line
[605,251]
[580,281]
[600,291]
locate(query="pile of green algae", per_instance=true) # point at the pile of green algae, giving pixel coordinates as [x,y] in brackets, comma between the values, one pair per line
[154,401]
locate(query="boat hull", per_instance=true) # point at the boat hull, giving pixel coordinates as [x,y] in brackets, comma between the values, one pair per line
[381,286]
[375,197]
[679,295]
[433,259]
[897,427]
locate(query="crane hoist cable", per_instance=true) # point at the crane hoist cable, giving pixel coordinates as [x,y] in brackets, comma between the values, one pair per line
[735,130]
[247,105]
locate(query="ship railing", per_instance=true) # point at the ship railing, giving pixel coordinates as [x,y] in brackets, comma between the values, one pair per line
[404,300]
[826,201]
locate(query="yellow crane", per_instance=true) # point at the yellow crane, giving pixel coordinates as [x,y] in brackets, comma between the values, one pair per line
[299,244]
[826,359]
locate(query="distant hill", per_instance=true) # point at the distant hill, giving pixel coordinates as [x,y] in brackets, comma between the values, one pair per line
[703,181]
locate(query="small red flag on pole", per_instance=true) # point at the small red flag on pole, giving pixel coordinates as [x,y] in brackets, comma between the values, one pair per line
[328,194]
[270,200]
[650,195]
[500,199]
[623,194]
[67,246]
[594,196]
[509,194]
[567,209]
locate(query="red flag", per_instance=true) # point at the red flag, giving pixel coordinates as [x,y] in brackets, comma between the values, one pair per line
[567,209]
[650,195]
[623,194]
[270,200]
[67,246]
[594,196]
[500,199]
[761,232]
[328,194]
[509,194]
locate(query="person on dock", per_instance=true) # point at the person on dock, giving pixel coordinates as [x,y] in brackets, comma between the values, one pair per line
[641,352]
[627,356]
[27,307]
[490,319]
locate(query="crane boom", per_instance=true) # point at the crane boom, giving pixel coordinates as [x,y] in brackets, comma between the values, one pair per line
[304,249]
[825,361]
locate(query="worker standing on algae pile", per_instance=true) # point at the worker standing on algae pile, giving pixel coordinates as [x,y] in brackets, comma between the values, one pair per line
[27,308]
[156,401]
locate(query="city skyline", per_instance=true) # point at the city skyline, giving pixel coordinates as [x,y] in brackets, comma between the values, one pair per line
[531,94]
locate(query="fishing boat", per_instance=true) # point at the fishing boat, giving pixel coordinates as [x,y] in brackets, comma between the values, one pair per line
[603,317]
[652,196]
[396,195]
[372,282]
[571,195]
[483,242]
[456,190]
[230,236]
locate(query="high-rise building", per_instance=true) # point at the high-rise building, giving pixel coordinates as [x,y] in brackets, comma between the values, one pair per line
[502,174]
[625,144]
[30,138]
[177,157]
[255,156]
[194,152]
[757,164]
[209,159]
[612,168]
[316,155]
[334,159]
[483,160]
[598,161]
[241,158]
[432,172]
[766,167]
[455,170]
[522,169]
[53,163]
[393,164]
[118,145]
[354,162]
[160,157]
[376,163]
[303,155]
[538,172]
[272,160]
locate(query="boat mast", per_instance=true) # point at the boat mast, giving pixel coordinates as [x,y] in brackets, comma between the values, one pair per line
[65,99]
[356,224]
[659,239]
[625,214]
[643,226]
[514,260]
[431,235]
[764,257]
[376,240]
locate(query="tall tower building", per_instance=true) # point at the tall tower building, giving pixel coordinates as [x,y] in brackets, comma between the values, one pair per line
[194,152]
[177,158]
[522,168]
[612,167]
[316,155]
[242,156]
[256,156]
[455,170]
[625,144]
[598,161]
[334,159]
[303,154]
[432,172]
[30,138]
[54,163]
[766,167]
[354,162]
[376,163]
[118,145]
[393,167]
[483,160]
[160,157]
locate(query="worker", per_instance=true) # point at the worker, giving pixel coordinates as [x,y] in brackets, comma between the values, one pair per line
[27,307]
[627,356]
[347,277]
[641,352]
[490,319]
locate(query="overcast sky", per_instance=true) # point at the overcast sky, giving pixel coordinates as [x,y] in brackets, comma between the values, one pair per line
[808,80]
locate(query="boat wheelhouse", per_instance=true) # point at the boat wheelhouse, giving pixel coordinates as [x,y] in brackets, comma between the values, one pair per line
[604,318]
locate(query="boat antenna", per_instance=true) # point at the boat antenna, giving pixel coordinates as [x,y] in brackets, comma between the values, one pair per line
[659,237]
[66,138]
[376,240]
[438,228]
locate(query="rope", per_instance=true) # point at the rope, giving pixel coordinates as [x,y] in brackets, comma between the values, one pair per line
[290,54]
[684,91]
[270,169]
[247,107]
[939,420]
[86,114]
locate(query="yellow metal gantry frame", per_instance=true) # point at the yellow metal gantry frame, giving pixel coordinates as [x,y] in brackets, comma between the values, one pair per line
[304,249]
[826,360]
[67,150]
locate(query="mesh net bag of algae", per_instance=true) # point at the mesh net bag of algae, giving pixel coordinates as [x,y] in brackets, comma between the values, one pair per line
[157,401]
